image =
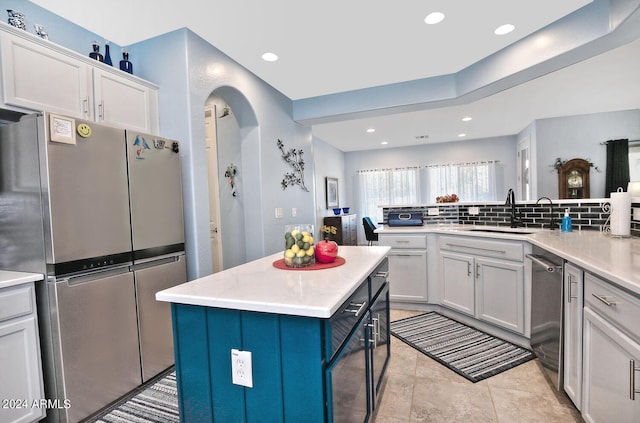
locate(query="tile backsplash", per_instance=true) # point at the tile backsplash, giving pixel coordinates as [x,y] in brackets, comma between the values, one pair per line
[588,214]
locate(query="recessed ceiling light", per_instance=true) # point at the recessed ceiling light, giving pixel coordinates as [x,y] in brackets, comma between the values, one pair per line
[384,143]
[466,118]
[504,29]
[370,130]
[462,135]
[269,57]
[434,18]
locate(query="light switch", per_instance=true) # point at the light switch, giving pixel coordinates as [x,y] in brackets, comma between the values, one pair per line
[294,212]
[279,212]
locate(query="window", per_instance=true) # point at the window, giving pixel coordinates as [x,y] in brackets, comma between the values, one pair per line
[469,181]
[387,187]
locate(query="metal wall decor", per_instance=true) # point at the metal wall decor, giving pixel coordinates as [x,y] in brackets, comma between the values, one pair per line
[230,174]
[294,158]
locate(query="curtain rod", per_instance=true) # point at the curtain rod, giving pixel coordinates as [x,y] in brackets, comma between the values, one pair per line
[426,166]
[630,142]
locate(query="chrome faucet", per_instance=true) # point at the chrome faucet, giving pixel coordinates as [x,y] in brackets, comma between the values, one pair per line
[552,221]
[511,201]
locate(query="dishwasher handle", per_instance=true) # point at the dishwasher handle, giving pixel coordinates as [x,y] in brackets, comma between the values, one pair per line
[551,267]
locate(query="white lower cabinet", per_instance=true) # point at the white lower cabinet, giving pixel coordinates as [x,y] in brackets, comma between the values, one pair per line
[458,287]
[484,279]
[21,389]
[611,373]
[500,293]
[572,351]
[611,353]
[407,266]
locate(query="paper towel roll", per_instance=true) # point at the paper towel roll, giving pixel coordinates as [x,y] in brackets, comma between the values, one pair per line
[620,213]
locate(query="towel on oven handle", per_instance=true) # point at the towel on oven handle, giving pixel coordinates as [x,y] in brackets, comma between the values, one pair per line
[405,219]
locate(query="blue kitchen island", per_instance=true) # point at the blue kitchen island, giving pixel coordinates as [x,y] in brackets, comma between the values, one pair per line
[318,339]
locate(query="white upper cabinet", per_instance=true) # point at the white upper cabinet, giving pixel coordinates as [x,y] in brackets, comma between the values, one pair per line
[38,78]
[39,75]
[122,102]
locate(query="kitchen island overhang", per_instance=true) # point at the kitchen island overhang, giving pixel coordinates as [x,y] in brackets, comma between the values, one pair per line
[283,317]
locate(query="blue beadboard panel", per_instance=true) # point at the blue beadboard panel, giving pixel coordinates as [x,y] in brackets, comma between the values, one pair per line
[302,369]
[194,388]
[287,364]
[261,336]
[224,332]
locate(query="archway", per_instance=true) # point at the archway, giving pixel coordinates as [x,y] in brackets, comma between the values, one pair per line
[232,149]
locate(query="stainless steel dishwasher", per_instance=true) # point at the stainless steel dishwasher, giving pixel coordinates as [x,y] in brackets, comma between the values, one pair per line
[546,312]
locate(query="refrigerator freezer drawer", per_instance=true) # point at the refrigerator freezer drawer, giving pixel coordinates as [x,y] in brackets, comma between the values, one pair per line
[99,342]
[156,334]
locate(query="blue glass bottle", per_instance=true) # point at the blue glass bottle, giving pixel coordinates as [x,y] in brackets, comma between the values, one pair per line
[107,55]
[125,64]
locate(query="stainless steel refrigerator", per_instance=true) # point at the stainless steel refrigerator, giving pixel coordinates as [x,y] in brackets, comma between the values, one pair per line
[98,210]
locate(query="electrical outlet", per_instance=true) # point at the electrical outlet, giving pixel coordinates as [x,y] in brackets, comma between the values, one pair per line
[241,370]
[433,211]
[294,212]
[474,211]
[279,212]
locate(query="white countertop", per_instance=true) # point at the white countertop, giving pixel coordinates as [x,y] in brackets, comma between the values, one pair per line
[258,286]
[612,258]
[9,278]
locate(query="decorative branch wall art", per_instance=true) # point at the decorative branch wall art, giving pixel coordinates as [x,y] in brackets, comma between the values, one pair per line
[230,174]
[294,158]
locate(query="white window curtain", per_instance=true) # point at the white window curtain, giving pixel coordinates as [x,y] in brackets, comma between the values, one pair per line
[469,181]
[387,187]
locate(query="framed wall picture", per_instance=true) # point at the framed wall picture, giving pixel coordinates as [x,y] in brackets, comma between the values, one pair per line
[331,185]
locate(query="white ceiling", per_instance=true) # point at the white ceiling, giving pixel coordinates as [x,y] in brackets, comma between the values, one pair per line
[326,46]
[336,46]
[608,82]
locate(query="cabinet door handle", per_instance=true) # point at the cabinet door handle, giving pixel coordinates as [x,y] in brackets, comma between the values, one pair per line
[382,275]
[376,331]
[604,300]
[356,312]
[85,105]
[468,268]
[571,282]
[101,110]
[632,380]
[478,270]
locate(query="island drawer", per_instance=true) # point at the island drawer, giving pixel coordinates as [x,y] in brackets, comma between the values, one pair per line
[403,241]
[619,307]
[482,247]
[343,322]
[379,277]
[16,301]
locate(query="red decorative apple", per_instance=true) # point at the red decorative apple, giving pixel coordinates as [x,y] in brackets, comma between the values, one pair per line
[326,251]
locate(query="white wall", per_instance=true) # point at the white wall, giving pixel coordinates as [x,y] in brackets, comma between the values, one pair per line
[189,70]
[329,162]
[502,149]
[580,137]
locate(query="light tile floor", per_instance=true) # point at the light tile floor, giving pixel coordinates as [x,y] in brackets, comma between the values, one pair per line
[419,389]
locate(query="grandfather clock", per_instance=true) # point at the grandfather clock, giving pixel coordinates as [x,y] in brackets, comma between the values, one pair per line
[573,179]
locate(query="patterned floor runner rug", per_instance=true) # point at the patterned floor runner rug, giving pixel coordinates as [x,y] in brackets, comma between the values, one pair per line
[469,352]
[153,403]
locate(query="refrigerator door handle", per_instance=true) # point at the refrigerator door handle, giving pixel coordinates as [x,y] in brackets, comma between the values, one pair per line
[156,262]
[94,275]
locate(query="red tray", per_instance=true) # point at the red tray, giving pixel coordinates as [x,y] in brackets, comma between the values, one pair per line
[339,261]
